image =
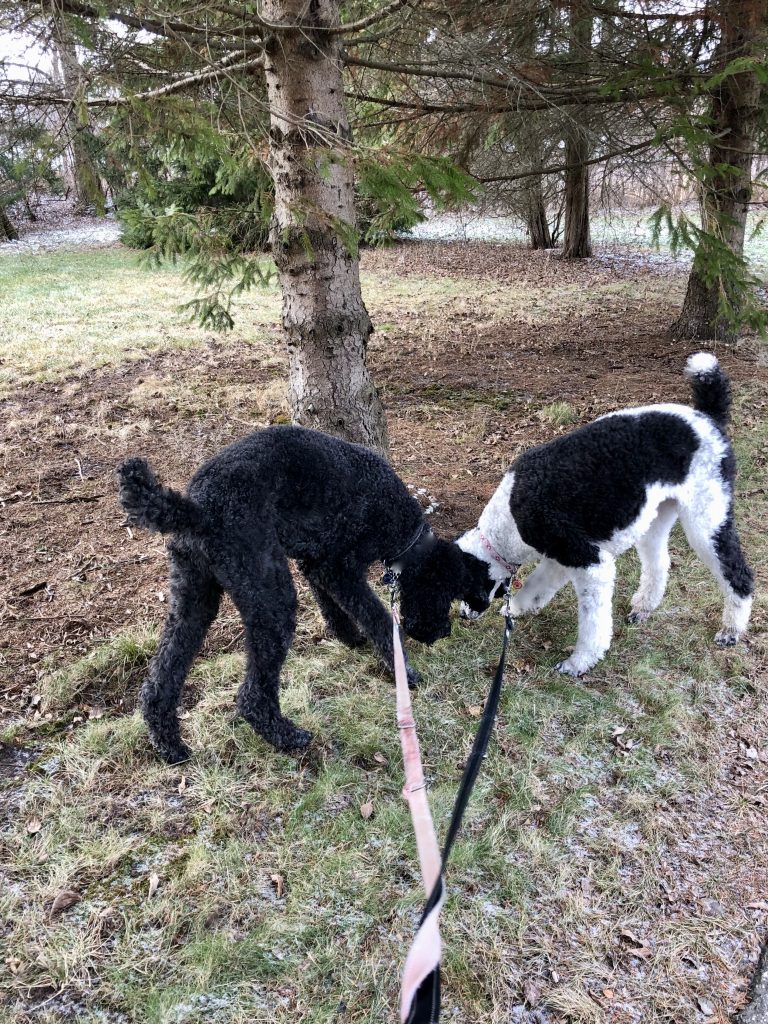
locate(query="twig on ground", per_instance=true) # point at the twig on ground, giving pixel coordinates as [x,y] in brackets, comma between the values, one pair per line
[68,501]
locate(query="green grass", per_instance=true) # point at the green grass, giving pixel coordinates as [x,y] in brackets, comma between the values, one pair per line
[76,312]
[247,886]
[73,312]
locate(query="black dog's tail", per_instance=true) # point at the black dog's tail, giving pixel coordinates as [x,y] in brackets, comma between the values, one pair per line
[153,506]
[710,386]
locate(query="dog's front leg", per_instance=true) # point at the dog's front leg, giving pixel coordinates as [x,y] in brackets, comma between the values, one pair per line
[594,591]
[352,593]
[539,589]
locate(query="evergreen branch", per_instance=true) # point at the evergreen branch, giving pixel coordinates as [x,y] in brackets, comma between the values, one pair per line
[423,70]
[157,26]
[371,19]
[685,16]
[313,26]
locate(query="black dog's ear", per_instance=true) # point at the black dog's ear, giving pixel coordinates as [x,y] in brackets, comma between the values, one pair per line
[477,584]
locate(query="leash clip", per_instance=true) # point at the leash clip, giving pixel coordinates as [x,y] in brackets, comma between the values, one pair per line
[391,579]
[509,622]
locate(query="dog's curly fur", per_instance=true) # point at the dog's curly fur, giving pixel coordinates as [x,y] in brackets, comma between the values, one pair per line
[287,492]
[576,503]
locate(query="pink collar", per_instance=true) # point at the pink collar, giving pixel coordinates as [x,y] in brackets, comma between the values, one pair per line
[511,569]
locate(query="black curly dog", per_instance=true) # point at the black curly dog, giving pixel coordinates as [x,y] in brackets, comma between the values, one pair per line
[287,492]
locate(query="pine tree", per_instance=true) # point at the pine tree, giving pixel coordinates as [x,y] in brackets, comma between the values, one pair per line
[719,285]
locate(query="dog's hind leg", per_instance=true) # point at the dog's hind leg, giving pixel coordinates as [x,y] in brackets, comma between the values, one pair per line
[594,590]
[194,602]
[266,600]
[653,549]
[340,625]
[539,588]
[712,535]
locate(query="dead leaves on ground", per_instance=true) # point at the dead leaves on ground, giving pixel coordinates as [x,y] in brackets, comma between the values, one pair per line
[63,900]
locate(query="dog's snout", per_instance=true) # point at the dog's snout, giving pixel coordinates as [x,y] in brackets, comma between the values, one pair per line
[465,612]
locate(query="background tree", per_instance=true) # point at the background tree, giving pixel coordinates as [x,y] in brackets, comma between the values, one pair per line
[577,242]
[719,285]
[78,134]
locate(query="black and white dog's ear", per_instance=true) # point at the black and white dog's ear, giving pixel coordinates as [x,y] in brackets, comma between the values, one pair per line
[477,584]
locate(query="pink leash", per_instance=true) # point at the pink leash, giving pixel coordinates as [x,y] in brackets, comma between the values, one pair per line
[425,952]
[420,990]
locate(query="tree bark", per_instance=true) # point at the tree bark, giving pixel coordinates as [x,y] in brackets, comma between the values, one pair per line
[536,217]
[756,1010]
[7,231]
[313,236]
[727,189]
[577,242]
[89,195]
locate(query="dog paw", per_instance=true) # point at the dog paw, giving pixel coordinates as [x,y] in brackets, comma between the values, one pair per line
[176,754]
[516,609]
[727,638]
[349,637]
[638,616]
[574,667]
[414,677]
[293,738]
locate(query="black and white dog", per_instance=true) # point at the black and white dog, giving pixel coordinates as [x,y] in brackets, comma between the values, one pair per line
[287,492]
[576,503]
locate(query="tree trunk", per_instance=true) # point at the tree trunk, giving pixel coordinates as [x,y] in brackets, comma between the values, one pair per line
[536,217]
[727,190]
[577,242]
[313,235]
[7,231]
[756,1010]
[89,196]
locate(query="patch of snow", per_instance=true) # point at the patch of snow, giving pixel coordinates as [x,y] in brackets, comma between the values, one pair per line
[92,234]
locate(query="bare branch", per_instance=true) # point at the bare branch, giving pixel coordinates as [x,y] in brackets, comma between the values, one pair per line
[226,64]
[636,148]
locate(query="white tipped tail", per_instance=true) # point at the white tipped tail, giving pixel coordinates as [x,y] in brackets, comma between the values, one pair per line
[701,364]
[710,387]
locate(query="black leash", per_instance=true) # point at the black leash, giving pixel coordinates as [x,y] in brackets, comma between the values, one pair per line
[425,1005]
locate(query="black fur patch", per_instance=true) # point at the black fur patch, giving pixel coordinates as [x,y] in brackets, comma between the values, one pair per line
[728,466]
[732,562]
[712,395]
[578,490]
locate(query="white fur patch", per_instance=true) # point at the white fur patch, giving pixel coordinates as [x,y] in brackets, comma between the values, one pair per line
[701,364]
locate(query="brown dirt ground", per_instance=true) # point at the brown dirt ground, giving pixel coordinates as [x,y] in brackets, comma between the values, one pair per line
[458,413]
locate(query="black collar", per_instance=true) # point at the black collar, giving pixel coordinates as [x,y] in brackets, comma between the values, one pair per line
[418,536]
